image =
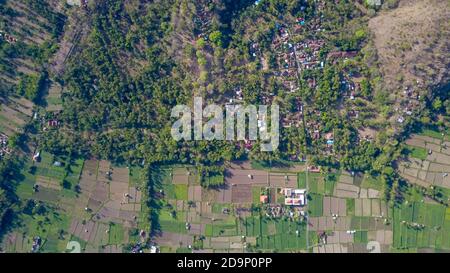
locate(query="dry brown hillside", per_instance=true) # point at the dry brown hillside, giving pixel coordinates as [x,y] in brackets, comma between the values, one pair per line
[413,44]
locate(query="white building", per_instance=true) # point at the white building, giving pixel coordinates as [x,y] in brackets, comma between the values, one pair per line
[294,197]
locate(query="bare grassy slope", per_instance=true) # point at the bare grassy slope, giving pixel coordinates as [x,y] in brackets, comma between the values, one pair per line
[413,43]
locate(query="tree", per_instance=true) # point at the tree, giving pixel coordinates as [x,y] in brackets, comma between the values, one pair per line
[8,199]
[14,141]
[366,90]
[216,38]
[437,104]
[447,106]
[29,206]
[31,86]
[201,43]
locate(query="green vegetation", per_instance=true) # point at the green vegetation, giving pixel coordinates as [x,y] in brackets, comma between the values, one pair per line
[432,133]
[122,66]
[330,182]
[372,182]
[116,233]
[181,192]
[301,184]
[256,194]
[286,237]
[137,176]
[183,250]
[218,208]
[360,237]
[222,228]
[315,205]
[172,221]
[31,86]
[417,152]
[421,225]
[211,176]
[216,38]
[350,204]
[9,169]
[316,183]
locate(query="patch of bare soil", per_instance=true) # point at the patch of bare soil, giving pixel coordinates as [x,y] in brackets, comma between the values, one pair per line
[413,43]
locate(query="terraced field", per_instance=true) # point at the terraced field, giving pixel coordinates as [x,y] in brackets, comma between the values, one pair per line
[73,203]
